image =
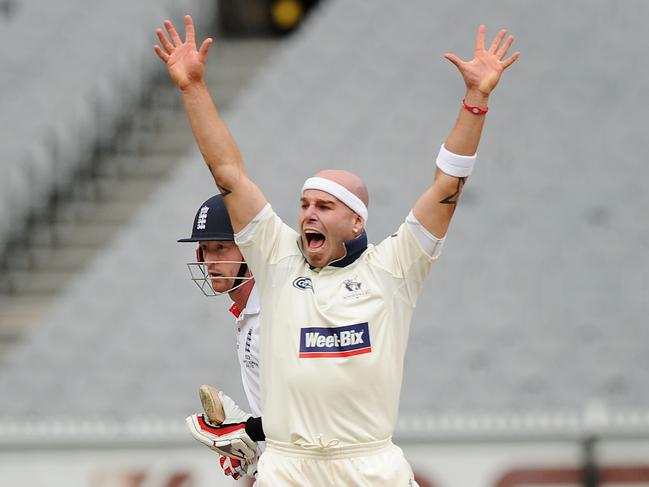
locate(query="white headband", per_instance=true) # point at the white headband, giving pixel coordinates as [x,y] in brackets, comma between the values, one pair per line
[343,194]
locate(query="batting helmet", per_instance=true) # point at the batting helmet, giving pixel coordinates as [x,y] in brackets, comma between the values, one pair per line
[212,222]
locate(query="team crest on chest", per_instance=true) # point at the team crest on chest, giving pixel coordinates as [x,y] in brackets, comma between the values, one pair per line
[353,288]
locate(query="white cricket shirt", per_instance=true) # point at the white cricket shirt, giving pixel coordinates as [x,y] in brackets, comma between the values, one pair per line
[335,338]
[248,329]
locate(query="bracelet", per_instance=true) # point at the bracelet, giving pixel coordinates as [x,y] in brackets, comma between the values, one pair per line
[474,109]
[454,164]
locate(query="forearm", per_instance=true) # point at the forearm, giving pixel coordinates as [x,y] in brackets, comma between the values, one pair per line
[465,135]
[214,140]
[436,207]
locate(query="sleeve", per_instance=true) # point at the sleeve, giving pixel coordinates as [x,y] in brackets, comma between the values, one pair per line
[408,255]
[265,241]
[429,242]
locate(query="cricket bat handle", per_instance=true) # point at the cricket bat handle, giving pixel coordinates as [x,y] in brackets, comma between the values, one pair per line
[212,404]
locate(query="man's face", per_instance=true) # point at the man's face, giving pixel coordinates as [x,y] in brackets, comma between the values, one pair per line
[325,224]
[215,252]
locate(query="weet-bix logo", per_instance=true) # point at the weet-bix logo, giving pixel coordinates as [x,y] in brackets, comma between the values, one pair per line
[343,341]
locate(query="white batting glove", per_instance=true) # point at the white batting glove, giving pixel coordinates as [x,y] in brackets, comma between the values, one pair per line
[230,437]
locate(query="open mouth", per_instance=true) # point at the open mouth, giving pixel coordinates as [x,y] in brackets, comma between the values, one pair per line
[314,240]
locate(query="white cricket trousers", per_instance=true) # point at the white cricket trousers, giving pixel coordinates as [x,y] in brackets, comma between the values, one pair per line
[376,464]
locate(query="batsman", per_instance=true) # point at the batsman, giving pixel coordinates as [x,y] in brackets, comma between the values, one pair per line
[336,310]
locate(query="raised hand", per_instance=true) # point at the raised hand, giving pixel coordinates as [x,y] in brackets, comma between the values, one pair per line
[483,72]
[185,63]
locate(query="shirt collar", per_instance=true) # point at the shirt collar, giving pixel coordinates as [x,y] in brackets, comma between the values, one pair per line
[354,248]
[252,306]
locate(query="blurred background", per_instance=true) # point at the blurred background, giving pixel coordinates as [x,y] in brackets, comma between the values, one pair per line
[528,361]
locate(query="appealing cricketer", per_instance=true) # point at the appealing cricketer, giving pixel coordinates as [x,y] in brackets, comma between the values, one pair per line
[336,310]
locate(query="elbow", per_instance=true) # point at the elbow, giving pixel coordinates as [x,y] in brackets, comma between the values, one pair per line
[226,176]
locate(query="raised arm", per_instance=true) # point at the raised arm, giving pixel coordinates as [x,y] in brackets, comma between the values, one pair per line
[436,206]
[186,66]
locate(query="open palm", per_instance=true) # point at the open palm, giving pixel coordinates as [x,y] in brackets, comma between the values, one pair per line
[484,70]
[184,62]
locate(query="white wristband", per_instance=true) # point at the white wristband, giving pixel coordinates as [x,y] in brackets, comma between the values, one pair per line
[454,164]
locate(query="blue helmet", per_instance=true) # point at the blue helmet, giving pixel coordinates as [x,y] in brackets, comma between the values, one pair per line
[211,222]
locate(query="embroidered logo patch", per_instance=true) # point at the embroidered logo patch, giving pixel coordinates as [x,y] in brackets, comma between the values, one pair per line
[353,284]
[342,341]
[354,288]
[202,218]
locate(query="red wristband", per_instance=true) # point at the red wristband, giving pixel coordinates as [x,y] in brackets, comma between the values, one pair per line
[475,110]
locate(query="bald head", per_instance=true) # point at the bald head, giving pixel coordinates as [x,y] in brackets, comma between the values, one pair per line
[350,181]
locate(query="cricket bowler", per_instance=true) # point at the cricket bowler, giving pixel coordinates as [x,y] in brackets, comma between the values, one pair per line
[336,309]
